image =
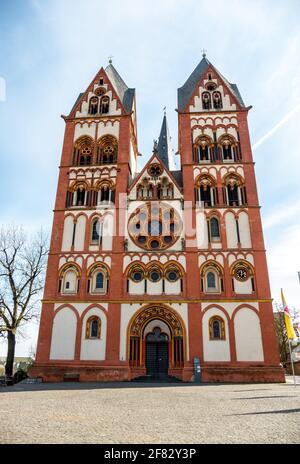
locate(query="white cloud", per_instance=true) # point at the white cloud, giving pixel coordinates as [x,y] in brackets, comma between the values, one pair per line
[282,213]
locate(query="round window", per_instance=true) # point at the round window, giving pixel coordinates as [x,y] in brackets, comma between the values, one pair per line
[155,276]
[154,244]
[172,275]
[137,276]
[155,226]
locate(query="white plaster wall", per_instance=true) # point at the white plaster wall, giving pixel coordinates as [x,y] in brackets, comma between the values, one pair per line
[154,288]
[242,287]
[85,129]
[63,335]
[81,307]
[201,225]
[248,337]
[93,349]
[80,233]
[244,228]
[215,350]
[110,128]
[231,234]
[229,308]
[136,288]
[172,288]
[108,231]
[67,234]
[132,162]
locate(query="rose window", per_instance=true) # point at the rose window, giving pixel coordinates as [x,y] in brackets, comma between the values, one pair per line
[155,226]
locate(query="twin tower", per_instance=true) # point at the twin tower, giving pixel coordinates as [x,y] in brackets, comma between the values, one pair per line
[152,271]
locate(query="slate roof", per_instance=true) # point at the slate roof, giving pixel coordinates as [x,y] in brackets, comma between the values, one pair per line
[125,94]
[186,91]
[75,104]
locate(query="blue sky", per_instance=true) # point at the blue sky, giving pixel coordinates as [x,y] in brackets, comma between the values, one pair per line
[51,50]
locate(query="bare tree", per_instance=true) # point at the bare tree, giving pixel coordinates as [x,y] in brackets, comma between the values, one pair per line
[22,269]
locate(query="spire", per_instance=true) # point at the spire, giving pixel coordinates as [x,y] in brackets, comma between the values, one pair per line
[164,147]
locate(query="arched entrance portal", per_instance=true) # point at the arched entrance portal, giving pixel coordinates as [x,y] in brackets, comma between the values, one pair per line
[156,341]
[157,353]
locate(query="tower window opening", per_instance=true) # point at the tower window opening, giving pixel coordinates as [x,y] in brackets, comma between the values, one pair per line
[206,101]
[93,106]
[217,100]
[104,105]
[80,199]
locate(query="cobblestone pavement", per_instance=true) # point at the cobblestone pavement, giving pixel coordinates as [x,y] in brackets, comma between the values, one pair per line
[150,413]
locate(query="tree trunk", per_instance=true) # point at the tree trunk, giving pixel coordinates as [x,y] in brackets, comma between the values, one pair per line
[11,343]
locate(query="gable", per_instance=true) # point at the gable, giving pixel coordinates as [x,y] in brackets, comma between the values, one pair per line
[190,94]
[145,176]
[107,83]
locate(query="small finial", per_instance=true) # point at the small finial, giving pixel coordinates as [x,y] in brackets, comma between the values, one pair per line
[110,59]
[155,146]
[203,52]
[165,110]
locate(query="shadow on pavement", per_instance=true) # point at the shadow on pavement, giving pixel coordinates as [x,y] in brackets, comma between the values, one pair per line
[280,411]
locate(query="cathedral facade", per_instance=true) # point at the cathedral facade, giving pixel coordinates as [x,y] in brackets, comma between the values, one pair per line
[152,271]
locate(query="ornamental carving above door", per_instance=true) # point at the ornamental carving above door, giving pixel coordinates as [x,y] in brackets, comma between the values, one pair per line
[156,312]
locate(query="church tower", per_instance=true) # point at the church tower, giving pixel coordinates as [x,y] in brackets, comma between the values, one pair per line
[151,270]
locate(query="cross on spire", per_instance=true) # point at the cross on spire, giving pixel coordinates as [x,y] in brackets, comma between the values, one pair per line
[203,52]
[110,59]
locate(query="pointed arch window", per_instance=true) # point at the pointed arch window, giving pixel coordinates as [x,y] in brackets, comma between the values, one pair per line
[93,105]
[107,150]
[98,280]
[104,105]
[229,148]
[69,280]
[206,101]
[96,237]
[93,328]
[217,100]
[206,194]
[203,150]
[214,229]
[212,279]
[80,196]
[165,189]
[105,194]
[145,190]
[216,328]
[235,192]
[83,151]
